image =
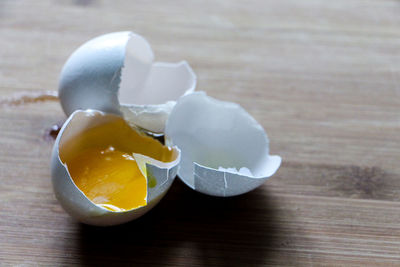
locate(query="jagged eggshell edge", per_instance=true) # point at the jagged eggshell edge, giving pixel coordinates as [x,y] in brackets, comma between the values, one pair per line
[77,204]
[177,79]
[225,151]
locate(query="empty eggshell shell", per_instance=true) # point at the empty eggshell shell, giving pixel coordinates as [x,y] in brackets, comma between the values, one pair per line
[225,151]
[73,199]
[115,73]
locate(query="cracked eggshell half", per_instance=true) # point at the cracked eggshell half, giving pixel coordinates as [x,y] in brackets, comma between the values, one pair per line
[159,175]
[225,151]
[116,73]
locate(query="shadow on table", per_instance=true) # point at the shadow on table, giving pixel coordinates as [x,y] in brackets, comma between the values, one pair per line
[189,228]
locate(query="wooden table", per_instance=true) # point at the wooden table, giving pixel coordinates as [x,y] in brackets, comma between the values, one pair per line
[322,77]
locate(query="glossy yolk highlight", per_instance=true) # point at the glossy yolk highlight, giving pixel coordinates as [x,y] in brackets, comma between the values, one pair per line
[109,178]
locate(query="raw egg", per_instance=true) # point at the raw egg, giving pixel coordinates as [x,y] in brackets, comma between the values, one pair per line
[105,173]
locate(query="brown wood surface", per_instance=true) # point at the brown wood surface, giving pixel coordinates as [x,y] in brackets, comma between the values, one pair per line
[322,77]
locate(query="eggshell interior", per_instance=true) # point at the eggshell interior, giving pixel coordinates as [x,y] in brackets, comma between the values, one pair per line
[225,151]
[160,175]
[148,90]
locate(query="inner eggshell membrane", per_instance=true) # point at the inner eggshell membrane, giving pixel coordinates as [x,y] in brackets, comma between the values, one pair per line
[144,82]
[148,90]
[100,160]
[225,151]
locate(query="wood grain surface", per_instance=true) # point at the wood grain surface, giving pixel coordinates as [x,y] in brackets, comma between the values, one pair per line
[322,77]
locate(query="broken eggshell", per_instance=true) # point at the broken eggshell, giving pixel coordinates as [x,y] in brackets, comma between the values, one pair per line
[225,151]
[115,73]
[74,201]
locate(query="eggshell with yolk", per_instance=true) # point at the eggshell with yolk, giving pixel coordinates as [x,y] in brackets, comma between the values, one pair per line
[76,203]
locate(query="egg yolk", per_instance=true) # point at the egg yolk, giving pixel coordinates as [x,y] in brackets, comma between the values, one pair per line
[109,178]
[100,163]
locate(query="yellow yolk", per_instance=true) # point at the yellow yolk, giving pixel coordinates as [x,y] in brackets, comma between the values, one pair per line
[118,134]
[100,163]
[109,178]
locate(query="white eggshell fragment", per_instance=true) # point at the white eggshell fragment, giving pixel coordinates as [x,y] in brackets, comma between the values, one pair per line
[115,73]
[73,199]
[225,151]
